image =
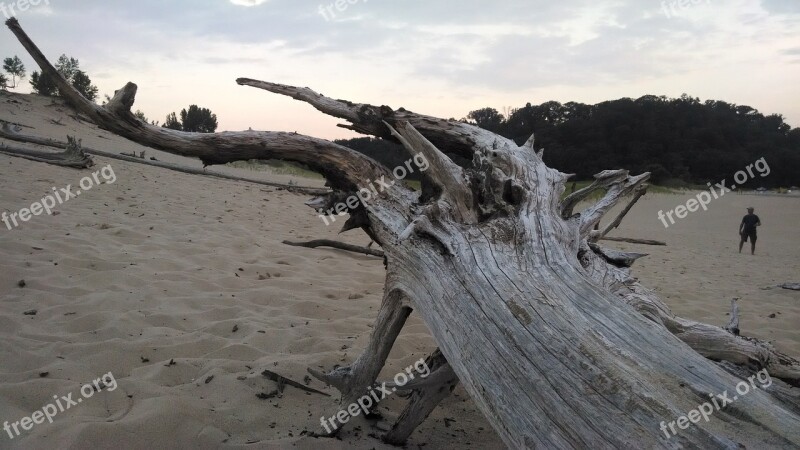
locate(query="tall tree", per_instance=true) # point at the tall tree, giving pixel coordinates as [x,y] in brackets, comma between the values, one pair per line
[172,122]
[42,84]
[15,68]
[199,120]
[486,118]
[67,67]
[82,83]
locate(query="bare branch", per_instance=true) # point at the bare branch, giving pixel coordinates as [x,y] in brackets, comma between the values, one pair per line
[449,136]
[354,379]
[633,240]
[733,324]
[8,132]
[601,181]
[640,191]
[424,399]
[442,172]
[618,190]
[344,168]
[616,257]
[73,156]
[335,244]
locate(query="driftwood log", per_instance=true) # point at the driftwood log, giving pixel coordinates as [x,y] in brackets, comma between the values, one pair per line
[558,345]
[338,245]
[73,155]
[632,240]
[12,133]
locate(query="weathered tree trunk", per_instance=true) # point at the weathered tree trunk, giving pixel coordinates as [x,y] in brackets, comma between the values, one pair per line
[555,342]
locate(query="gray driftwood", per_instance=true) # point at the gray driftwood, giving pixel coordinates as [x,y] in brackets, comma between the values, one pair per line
[12,133]
[733,323]
[73,156]
[558,347]
[336,244]
[632,240]
[426,395]
[791,286]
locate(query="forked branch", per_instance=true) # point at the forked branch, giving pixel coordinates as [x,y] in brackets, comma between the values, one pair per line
[618,190]
[442,172]
[601,181]
[449,136]
[638,193]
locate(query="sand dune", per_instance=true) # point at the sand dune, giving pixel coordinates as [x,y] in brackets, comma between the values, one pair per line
[161,267]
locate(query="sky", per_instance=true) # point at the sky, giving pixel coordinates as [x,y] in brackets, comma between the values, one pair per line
[438,57]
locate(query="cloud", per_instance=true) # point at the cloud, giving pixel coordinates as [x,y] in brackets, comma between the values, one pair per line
[248,2]
[510,52]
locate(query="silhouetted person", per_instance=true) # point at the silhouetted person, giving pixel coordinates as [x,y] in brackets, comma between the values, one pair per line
[747,229]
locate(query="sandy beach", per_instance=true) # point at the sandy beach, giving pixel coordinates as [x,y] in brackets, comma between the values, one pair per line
[180,287]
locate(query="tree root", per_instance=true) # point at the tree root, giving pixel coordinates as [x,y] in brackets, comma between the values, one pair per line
[424,399]
[354,380]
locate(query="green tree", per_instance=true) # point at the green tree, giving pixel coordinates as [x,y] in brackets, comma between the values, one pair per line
[42,84]
[199,120]
[82,84]
[3,82]
[67,67]
[487,118]
[172,122]
[15,68]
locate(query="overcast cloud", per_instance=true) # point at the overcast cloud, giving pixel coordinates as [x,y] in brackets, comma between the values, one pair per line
[443,58]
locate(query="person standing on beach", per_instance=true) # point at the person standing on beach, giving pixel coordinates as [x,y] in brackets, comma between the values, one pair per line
[747,229]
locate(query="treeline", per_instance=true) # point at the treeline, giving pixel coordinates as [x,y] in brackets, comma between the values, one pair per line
[680,141]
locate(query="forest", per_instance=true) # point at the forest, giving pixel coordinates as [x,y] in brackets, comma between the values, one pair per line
[681,141]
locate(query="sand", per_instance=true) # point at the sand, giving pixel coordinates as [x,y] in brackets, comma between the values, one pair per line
[178,286]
